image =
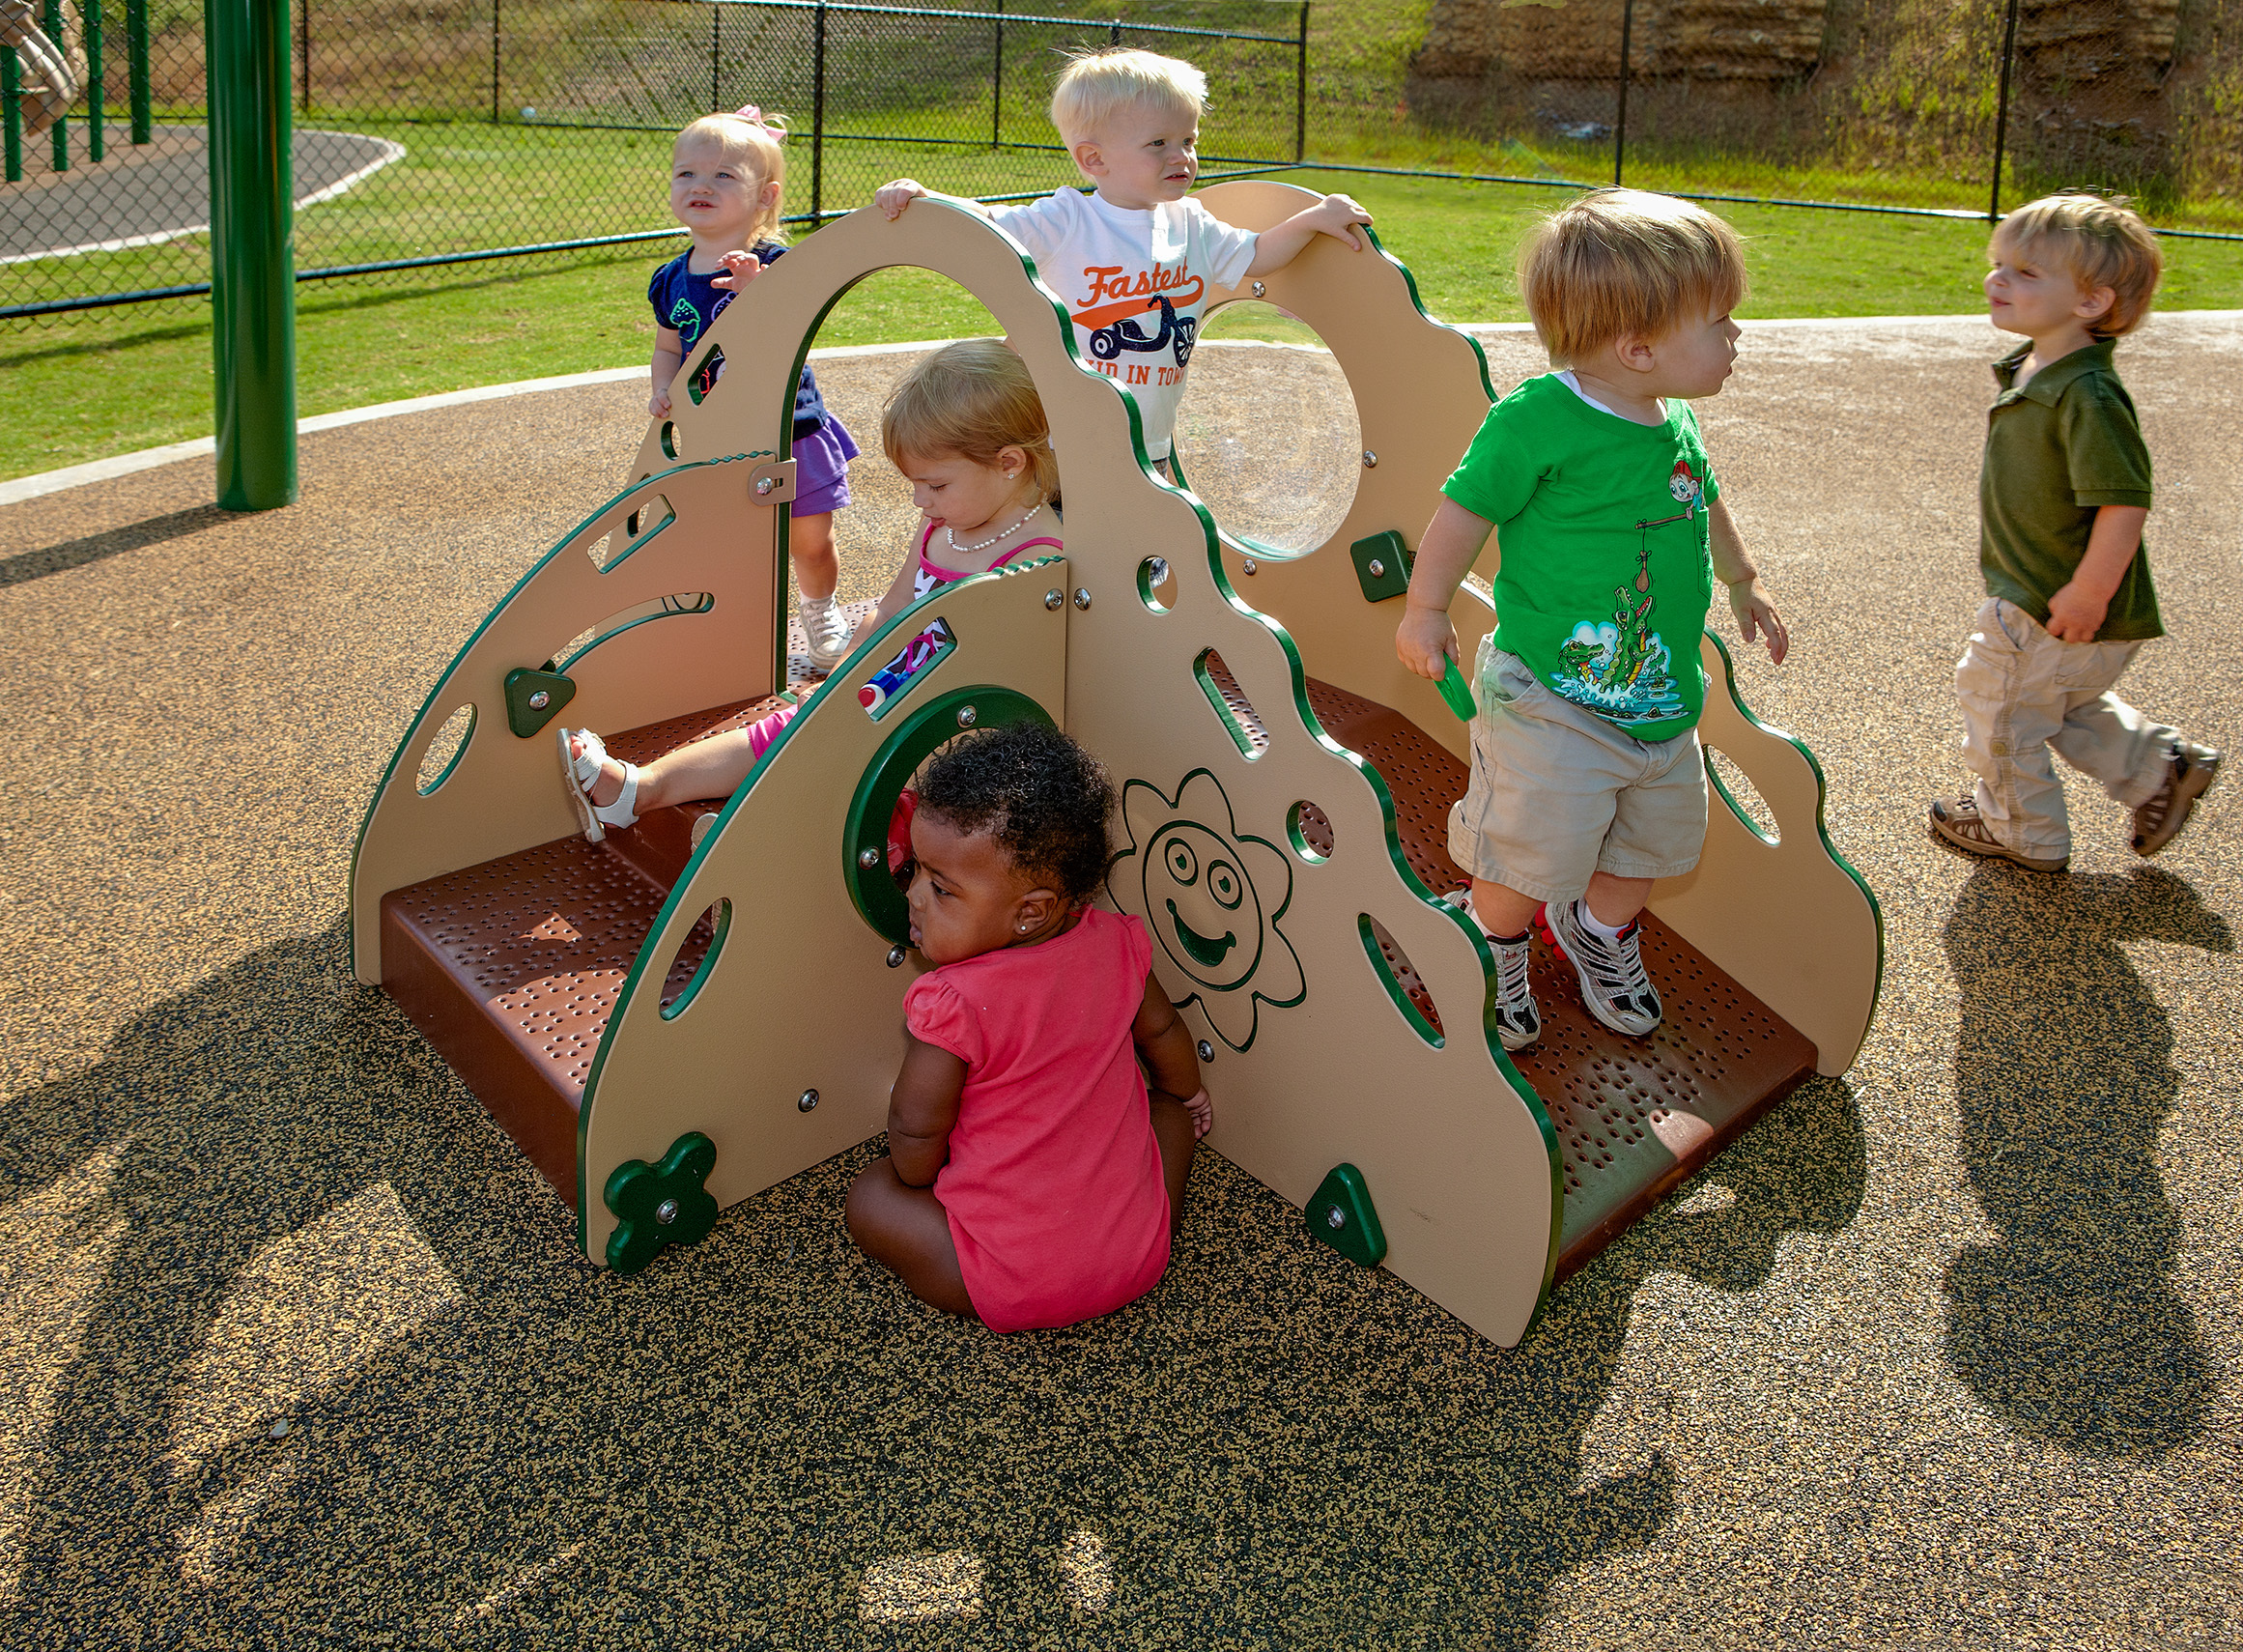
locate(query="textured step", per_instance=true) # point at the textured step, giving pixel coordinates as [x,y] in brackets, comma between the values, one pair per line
[1635,1117]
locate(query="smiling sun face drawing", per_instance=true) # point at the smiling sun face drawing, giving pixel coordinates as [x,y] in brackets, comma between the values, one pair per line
[1213,897]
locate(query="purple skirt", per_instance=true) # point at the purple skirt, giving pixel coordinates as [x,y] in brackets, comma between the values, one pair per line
[821,475]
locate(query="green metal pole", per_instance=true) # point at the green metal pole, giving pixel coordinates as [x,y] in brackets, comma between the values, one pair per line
[96,113]
[60,133]
[12,113]
[252,251]
[136,68]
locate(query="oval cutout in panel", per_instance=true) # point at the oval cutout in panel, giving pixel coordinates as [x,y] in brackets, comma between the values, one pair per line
[696,957]
[1400,977]
[444,752]
[1311,831]
[640,526]
[1268,434]
[1156,583]
[1236,713]
[1735,789]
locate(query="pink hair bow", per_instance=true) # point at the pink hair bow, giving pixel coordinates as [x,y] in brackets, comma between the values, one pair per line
[753,116]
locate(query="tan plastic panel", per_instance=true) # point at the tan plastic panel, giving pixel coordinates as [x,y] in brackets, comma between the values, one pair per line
[1420,394]
[1456,1159]
[1785,920]
[800,996]
[504,793]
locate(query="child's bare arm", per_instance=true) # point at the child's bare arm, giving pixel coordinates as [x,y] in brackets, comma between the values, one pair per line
[740,268]
[922,1109]
[2075,613]
[1749,598]
[1335,215]
[668,353]
[1171,1061]
[1446,553]
[898,597]
[893,198]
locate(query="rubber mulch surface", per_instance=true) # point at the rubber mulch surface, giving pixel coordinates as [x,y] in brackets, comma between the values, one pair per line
[298,1352]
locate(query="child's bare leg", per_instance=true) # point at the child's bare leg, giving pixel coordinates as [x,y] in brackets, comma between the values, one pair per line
[1614,901]
[713,767]
[905,1230]
[809,545]
[1172,1127]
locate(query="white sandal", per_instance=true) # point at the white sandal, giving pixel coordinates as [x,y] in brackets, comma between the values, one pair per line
[582,772]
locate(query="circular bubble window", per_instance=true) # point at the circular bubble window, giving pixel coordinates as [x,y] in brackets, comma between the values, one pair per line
[1267,435]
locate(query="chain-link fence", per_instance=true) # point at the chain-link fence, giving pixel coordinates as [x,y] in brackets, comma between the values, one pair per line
[1942,105]
[429,132]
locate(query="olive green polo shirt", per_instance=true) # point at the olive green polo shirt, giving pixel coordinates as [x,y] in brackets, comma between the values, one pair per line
[2064,444]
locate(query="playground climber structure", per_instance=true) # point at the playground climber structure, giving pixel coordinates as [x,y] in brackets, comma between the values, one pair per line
[1285,786]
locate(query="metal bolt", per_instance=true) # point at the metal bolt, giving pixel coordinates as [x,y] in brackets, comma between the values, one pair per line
[666,1212]
[867,858]
[1082,597]
[1053,599]
[810,1100]
[764,484]
[968,717]
[895,956]
[1249,565]
[1335,1217]
[1260,291]
[1370,459]
[539,701]
[1207,1050]
[1378,569]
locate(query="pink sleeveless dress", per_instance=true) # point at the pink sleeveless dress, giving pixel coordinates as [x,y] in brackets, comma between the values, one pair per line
[1054,1188]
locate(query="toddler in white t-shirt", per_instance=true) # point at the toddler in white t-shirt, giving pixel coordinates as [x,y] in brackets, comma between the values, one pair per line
[1135,259]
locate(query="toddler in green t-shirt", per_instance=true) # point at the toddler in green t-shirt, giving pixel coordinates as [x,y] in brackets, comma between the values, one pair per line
[1588,783]
[2062,492]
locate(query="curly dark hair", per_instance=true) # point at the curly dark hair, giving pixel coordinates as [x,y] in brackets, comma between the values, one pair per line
[1043,797]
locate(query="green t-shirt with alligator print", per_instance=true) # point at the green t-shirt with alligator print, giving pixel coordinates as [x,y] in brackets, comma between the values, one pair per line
[1606,572]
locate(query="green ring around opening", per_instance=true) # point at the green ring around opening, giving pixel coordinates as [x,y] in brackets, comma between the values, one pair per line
[872,888]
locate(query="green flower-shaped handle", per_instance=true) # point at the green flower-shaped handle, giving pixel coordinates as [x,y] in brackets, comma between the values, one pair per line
[658,1206]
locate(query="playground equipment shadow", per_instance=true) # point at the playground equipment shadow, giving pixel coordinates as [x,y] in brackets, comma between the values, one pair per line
[1938,1353]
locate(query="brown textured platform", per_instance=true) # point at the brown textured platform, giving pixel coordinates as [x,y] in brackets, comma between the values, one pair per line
[510,968]
[1634,1116]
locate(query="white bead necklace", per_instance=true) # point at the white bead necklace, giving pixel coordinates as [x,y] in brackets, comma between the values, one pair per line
[970,550]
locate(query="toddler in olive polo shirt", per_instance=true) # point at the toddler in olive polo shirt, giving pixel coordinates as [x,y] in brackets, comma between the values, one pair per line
[2063,492]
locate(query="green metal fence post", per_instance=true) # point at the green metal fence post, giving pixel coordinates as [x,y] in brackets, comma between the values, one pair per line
[252,251]
[1620,118]
[136,67]
[2001,112]
[303,52]
[818,122]
[96,113]
[60,133]
[1300,91]
[996,84]
[12,113]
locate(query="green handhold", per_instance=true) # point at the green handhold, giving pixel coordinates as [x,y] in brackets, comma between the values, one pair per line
[534,699]
[661,1205]
[1340,1213]
[1392,559]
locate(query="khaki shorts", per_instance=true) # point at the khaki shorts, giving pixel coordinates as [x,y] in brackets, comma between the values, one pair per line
[1558,793]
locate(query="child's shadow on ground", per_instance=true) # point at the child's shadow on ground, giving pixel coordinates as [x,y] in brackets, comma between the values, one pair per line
[2068,1325]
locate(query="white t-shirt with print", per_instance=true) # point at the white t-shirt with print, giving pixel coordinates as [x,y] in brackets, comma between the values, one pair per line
[1115,267]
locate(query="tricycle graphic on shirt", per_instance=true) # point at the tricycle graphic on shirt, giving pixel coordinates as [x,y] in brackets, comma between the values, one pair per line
[1115,327]
[1620,669]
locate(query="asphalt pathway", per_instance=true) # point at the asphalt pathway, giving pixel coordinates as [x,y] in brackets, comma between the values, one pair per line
[159,191]
[1944,1353]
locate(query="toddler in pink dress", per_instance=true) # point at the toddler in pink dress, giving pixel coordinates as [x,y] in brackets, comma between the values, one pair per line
[1034,1177]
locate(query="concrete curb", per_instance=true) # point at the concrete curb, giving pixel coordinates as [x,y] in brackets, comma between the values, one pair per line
[147,459]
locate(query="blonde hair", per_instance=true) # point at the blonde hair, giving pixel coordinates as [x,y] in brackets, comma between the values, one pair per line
[2100,242]
[974,399]
[1096,86]
[1623,261]
[755,144]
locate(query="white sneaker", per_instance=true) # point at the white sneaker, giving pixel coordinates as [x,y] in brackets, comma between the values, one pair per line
[1614,984]
[1517,1018]
[829,630]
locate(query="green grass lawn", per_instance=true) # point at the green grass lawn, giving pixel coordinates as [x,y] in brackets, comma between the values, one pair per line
[115,381]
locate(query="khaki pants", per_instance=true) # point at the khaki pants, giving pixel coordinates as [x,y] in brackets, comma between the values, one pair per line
[2025,693]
